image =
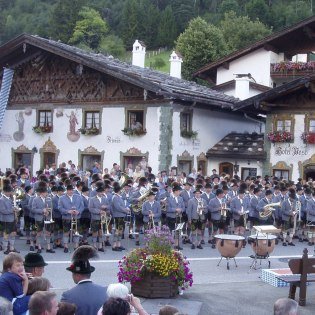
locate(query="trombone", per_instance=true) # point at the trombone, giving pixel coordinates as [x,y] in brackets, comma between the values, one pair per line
[16,209]
[48,214]
[105,220]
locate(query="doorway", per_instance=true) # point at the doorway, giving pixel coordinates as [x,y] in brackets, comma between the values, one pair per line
[227,168]
[21,159]
[88,161]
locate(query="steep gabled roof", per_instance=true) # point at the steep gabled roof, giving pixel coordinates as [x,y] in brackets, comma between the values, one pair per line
[239,145]
[294,39]
[24,46]
[253,104]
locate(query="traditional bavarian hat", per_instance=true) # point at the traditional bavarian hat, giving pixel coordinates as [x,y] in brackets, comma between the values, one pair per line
[80,260]
[34,260]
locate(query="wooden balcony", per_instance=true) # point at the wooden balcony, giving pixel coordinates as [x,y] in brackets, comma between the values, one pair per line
[292,69]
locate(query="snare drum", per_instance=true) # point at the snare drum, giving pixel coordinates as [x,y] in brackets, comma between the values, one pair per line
[262,244]
[229,245]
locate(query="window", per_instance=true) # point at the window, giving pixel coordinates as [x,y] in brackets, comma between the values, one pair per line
[311,125]
[283,125]
[44,118]
[92,120]
[135,119]
[309,122]
[284,174]
[185,121]
[248,172]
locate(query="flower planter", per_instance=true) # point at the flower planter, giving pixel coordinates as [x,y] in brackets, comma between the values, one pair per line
[134,132]
[308,137]
[153,286]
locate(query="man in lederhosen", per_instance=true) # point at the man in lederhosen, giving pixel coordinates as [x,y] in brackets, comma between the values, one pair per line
[119,211]
[187,195]
[26,212]
[207,195]
[41,207]
[174,212]
[288,208]
[151,210]
[98,206]
[7,219]
[57,217]
[85,220]
[71,207]
[197,213]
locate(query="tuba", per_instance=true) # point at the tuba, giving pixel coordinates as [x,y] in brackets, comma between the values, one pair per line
[141,200]
[268,209]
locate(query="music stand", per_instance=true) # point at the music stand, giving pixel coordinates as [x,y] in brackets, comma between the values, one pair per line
[262,230]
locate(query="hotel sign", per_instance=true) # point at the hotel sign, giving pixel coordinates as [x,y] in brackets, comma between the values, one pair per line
[290,150]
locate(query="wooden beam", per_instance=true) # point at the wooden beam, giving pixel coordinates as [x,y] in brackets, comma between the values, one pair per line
[309,32]
[226,65]
[269,47]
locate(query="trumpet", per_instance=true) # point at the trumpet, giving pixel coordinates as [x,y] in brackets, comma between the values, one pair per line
[151,215]
[48,212]
[200,207]
[16,209]
[105,220]
[74,225]
[268,209]
[224,210]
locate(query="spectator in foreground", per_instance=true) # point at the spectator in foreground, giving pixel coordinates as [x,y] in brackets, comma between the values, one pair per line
[285,306]
[43,303]
[119,290]
[34,263]
[5,307]
[66,308]
[168,310]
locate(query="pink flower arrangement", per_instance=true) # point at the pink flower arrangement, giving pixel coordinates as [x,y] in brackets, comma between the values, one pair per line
[308,137]
[292,66]
[157,257]
[280,136]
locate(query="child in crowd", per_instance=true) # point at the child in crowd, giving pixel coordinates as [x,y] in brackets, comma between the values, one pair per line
[13,281]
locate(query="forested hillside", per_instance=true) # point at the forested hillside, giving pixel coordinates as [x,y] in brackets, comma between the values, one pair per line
[111,26]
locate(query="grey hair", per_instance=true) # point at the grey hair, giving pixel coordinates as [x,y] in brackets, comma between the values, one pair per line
[117,290]
[5,306]
[285,306]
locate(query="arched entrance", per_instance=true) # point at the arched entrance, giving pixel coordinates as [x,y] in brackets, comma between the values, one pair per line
[309,172]
[226,167]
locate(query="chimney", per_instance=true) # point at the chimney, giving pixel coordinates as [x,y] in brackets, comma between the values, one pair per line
[138,54]
[176,65]
[242,87]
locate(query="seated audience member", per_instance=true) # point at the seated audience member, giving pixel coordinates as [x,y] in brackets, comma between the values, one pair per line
[119,290]
[285,306]
[20,306]
[116,306]
[5,306]
[13,281]
[43,303]
[34,263]
[168,310]
[66,308]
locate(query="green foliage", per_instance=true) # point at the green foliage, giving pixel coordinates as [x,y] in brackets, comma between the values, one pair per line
[167,31]
[240,31]
[90,29]
[229,5]
[200,43]
[112,45]
[257,9]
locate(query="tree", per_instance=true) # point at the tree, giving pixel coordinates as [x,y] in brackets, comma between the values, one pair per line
[167,29]
[112,45]
[240,31]
[64,18]
[129,22]
[258,9]
[89,29]
[200,44]
[229,5]
[184,11]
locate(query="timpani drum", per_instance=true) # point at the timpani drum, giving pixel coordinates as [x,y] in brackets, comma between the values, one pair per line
[262,244]
[229,245]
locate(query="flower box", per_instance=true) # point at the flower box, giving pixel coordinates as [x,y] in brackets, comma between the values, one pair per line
[89,131]
[153,286]
[134,132]
[42,129]
[189,134]
[280,136]
[308,137]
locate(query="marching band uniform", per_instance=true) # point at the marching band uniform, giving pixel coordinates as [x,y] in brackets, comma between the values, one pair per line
[187,195]
[215,207]
[85,220]
[261,206]
[126,196]
[151,207]
[57,217]
[197,213]
[175,208]
[119,211]
[40,206]
[310,208]
[253,211]
[71,207]
[207,195]
[98,205]
[7,220]
[287,208]
[304,199]
[26,212]
[239,205]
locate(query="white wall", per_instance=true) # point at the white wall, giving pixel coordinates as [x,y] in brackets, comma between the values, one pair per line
[111,140]
[211,127]
[293,153]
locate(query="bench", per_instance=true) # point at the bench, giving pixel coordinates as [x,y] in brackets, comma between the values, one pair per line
[303,270]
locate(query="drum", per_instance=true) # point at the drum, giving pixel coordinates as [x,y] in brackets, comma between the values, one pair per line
[262,244]
[229,245]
